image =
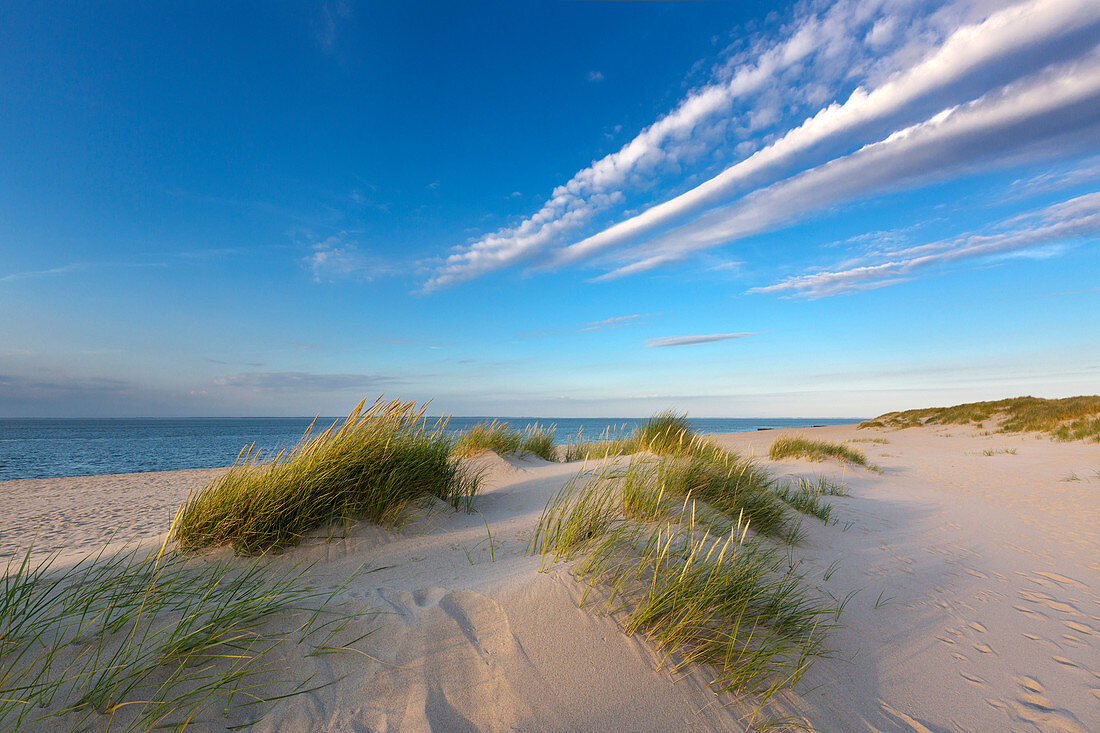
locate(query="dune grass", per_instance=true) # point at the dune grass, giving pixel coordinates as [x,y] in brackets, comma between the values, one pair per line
[497,436]
[605,447]
[1071,418]
[690,465]
[685,574]
[664,434]
[136,641]
[798,446]
[806,495]
[376,465]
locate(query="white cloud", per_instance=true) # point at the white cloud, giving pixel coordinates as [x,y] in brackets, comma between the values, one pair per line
[595,76]
[980,50]
[821,39]
[941,58]
[693,340]
[62,270]
[338,258]
[1032,236]
[1055,112]
[300,382]
[616,322]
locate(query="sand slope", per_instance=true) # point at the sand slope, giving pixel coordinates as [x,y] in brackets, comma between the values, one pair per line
[975,605]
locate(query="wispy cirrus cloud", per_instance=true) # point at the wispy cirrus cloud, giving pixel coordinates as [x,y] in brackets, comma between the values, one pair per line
[339,257]
[693,340]
[616,322]
[1075,219]
[74,267]
[327,20]
[914,67]
[1055,113]
[967,62]
[31,274]
[301,381]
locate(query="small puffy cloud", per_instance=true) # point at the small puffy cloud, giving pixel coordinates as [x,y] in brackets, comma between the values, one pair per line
[595,76]
[693,340]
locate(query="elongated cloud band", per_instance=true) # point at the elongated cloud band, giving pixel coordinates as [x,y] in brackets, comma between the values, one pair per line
[939,93]
[693,340]
[1073,219]
[1060,107]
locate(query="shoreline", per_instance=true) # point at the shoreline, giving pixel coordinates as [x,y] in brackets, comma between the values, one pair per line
[150,446]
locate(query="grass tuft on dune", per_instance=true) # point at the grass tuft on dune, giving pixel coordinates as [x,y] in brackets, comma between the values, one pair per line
[498,437]
[136,641]
[798,446]
[376,465]
[683,572]
[1071,418]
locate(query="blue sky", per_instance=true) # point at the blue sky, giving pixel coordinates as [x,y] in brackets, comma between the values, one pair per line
[552,209]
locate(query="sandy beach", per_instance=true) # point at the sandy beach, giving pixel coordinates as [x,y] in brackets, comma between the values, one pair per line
[971,559]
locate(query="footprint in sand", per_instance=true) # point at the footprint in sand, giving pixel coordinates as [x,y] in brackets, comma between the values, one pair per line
[1029,683]
[1082,628]
[1066,662]
[972,678]
[1040,712]
[1050,602]
[976,626]
[1030,611]
[985,649]
[1061,579]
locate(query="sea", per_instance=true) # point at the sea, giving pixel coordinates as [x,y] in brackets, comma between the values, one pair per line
[48,447]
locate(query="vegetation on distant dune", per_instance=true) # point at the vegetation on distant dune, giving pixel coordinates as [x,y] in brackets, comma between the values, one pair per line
[374,466]
[497,436]
[797,446]
[1070,418]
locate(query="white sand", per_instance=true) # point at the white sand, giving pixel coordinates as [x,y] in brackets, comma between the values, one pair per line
[984,571]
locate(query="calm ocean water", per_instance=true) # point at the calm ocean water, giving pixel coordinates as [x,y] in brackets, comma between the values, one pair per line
[45,448]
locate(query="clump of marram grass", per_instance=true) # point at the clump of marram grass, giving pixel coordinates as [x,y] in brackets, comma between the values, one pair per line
[805,495]
[683,573]
[689,465]
[664,434]
[604,447]
[375,466]
[136,641]
[798,446]
[731,486]
[497,436]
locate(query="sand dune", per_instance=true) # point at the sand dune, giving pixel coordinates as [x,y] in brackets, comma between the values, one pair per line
[975,601]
